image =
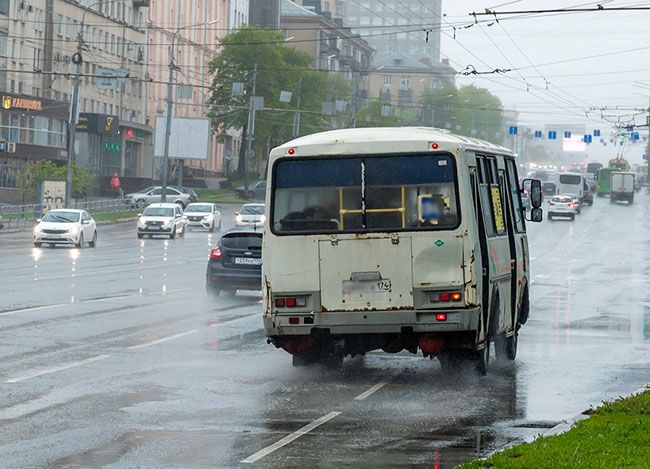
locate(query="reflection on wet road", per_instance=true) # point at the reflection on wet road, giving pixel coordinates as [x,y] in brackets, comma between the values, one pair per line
[114,355]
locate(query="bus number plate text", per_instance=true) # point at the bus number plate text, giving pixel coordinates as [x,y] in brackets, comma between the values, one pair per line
[357,286]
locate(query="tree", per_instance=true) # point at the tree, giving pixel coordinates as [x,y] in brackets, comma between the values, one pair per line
[469,110]
[31,175]
[250,53]
[371,116]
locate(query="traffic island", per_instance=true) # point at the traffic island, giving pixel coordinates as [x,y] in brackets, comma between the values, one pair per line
[617,434]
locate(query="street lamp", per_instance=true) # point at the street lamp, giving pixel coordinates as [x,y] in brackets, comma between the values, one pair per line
[168,123]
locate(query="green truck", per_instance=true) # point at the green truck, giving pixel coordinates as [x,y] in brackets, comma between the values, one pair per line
[604,175]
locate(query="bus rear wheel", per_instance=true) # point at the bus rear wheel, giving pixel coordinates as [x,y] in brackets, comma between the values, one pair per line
[506,347]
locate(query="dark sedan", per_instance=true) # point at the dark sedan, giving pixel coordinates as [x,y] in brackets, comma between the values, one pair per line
[235,262]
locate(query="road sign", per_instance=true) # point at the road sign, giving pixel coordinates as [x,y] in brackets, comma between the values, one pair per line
[596,132]
[635,136]
[512,130]
[109,78]
[552,135]
[587,138]
[567,134]
[538,134]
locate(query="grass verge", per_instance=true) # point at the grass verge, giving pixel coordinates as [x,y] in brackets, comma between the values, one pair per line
[219,196]
[616,435]
[114,217]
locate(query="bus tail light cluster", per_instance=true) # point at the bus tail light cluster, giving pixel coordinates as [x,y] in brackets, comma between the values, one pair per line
[445,297]
[291,302]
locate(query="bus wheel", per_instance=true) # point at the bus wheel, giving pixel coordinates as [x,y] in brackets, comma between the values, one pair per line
[506,347]
[300,359]
[483,357]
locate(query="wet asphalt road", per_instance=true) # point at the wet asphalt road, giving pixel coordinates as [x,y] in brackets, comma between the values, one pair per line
[114,356]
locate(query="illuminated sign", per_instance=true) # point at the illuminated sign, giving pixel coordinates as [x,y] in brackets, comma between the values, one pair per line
[13,102]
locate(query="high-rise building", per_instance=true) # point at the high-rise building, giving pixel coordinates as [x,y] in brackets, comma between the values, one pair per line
[194,27]
[389,25]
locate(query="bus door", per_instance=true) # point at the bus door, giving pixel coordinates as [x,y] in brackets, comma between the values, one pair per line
[498,248]
[516,235]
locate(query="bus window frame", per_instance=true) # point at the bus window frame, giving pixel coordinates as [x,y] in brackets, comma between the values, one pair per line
[490,169]
[362,156]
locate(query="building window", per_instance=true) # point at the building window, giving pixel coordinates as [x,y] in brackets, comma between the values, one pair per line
[405,83]
[4,7]
[387,80]
[3,44]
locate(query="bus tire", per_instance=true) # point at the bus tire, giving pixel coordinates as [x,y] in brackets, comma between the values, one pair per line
[300,359]
[506,347]
[483,357]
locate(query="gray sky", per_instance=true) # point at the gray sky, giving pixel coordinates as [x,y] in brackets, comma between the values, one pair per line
[577,83]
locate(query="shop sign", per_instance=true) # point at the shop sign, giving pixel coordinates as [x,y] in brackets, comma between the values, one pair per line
[14,102]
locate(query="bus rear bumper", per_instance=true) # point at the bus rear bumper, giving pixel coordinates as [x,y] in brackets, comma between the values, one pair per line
[372,322]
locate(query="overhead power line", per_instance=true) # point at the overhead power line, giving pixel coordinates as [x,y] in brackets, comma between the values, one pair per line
[598,8]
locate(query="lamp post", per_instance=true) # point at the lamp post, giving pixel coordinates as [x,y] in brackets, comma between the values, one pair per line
[168,117]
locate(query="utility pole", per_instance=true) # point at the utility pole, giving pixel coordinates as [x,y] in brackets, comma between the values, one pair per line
[250,129]
[354,101]
[48,49]
[77,59]
[168,123]
[296,117]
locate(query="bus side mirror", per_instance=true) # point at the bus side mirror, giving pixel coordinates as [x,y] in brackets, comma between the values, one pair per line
[536,197]
[536,215]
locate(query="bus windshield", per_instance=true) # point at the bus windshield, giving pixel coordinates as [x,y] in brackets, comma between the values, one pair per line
[364,194]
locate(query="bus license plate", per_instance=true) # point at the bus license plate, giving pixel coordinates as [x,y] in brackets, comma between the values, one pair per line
[248,260]
[356,286]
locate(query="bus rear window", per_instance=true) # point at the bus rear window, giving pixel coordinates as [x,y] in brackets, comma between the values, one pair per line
[359,194]
[570,179]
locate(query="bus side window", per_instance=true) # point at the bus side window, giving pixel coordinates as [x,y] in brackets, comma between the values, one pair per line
[496,197]
[515,196]
[485,197]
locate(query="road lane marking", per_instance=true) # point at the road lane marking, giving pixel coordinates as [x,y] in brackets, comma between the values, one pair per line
[289,438]
[162,340]
[57,368]
[35,308]
[369,392]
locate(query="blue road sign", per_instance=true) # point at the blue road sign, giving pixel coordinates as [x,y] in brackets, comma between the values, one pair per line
[635,136]
[567,134]
[596,132]
[538,134]
[512,130]
[587,138]
[552,135]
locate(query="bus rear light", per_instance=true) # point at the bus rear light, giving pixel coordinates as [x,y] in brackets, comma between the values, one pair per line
[291,151]
[294,320]
[291,302]
[445,297]
[434,146]
[441,317]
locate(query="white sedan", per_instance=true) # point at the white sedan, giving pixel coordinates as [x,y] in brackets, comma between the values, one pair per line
[66,226]
[250,215]
[203,215]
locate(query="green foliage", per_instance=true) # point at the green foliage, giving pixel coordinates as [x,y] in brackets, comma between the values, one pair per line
[463,110]
[31,175]
[616,435]
[370,116]
[279,68]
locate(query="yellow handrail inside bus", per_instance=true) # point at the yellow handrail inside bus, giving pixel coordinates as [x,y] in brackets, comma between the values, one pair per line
[345,211]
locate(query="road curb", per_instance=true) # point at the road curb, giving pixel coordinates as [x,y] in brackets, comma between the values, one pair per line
[119,220]
[562,427]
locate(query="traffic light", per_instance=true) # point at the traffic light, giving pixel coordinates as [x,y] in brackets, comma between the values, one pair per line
[111,146]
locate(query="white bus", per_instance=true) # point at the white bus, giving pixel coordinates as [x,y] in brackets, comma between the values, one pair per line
[395,239]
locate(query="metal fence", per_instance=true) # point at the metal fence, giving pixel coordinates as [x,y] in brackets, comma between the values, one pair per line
[24,216]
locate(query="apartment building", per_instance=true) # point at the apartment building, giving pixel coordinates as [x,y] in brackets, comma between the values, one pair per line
[193,26]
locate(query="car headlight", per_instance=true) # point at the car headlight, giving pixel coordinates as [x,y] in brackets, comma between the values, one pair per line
[38,229]
[206,217]
[74,230]
[239,218]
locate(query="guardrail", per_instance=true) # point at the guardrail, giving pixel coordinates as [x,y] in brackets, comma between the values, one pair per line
[24,216]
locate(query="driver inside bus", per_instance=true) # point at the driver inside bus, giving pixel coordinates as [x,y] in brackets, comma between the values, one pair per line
[435,210]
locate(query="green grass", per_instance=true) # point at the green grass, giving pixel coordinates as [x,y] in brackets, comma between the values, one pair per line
[114,217]
[616,435]
[219,196]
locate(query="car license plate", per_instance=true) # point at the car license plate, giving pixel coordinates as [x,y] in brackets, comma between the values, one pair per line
[248,260]
[154,227]
[357,286]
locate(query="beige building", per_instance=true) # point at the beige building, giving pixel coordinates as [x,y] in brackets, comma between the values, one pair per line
[333,47]
[197,24]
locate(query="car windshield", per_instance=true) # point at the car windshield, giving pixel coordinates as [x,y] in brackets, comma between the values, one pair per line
[242,241]
[200,208]
[369,193]
[61,217]
[158,212]
[252,210]
[562,200]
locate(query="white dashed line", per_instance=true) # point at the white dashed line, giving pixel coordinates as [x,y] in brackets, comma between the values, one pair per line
[289,438]
[36,308]
[369,392]
[57,368]
[162,340]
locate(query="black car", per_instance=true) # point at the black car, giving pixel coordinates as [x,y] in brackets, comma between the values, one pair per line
[235,262]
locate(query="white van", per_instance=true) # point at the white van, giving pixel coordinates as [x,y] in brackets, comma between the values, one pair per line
[571,183]
[393,239]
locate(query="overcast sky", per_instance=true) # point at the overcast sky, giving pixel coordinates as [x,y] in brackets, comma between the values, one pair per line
[576,84]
